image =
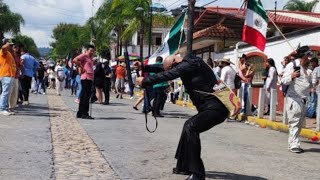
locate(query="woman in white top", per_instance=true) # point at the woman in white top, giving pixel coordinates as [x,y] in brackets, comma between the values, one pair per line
[228,74]
[51,77]
[271,82]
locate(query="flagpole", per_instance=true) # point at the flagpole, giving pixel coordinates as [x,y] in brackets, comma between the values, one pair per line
[181,32]
[281,32]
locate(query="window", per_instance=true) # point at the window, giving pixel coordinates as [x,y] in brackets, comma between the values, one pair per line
[258,64]
[157,39]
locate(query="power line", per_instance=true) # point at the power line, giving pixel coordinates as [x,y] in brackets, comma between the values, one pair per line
[209,3]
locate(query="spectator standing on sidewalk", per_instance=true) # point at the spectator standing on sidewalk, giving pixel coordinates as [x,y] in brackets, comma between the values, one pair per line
[246,73]
[99,78]
[41,75]
[295,75]
[30,65]
[107,81]
[121,74]
[85,64]
[15,84]
[228,74]
[196,76]
[60,77]
[73,82]
[271,82]
[7,74]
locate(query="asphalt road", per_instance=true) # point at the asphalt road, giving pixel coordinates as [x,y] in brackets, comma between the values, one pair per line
[230,150]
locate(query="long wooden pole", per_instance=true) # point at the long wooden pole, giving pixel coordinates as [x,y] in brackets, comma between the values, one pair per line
[281,33]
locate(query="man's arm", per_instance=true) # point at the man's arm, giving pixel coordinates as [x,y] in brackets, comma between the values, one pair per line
[287,74]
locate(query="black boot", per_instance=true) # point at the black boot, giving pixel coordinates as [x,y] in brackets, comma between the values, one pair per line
[196,177]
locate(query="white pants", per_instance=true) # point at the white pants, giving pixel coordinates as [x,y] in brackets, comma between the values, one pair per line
[59,86]
[296,114]
[13,97]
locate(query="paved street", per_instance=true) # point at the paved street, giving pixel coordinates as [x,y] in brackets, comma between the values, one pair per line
[115,145]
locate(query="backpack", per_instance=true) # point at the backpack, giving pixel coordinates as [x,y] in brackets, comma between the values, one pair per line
[237,82]
[284,88]
[60,74]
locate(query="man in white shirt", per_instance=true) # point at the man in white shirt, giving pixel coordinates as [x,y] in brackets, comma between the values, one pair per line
[296,76]
[60,77]
[228,74]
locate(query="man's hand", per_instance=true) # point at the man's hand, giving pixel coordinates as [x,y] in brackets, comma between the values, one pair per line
[139,81]
[295,74]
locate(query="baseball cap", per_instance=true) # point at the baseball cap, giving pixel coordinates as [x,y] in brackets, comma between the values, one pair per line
[6,40]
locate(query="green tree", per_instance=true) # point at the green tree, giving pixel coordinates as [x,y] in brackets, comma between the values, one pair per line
[29,43]
[69,38]
[121,17]
[9,21]
[300,5]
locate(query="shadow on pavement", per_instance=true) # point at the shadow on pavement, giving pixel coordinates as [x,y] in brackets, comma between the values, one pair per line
[112,118]
[177,115]
[312,150]
[231,176]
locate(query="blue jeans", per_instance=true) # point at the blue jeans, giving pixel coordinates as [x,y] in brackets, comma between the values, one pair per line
[40,82]
[78,80]
[6,83]
[74,85]
[245,87]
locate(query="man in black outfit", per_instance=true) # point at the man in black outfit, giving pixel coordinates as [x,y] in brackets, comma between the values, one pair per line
[107,81]
[196,76]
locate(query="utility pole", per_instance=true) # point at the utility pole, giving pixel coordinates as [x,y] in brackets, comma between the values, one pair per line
[191,4]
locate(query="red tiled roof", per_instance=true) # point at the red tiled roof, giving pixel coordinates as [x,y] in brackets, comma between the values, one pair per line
[217,30]
[281,20]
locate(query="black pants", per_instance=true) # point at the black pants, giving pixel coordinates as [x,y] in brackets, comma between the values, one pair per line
[106,91]
[85,98]
[189,148]
[159,99]
[26,85]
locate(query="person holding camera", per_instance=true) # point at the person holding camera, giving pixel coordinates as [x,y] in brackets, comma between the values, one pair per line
[7,74]
[298,80]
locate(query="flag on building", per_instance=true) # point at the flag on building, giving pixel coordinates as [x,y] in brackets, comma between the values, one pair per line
[172,41]
[255,25]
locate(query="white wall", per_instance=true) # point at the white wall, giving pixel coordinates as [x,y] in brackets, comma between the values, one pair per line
[276,50]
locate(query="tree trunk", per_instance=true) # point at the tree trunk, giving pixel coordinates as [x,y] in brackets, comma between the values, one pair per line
[191,4]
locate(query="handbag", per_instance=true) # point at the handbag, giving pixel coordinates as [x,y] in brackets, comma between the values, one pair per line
[227,97]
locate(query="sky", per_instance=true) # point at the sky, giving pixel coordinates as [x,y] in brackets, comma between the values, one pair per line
[41,16]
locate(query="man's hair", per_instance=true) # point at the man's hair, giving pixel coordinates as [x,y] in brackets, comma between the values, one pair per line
[302,51]
[159,59]
[23,49]
[314,60]
[90,46]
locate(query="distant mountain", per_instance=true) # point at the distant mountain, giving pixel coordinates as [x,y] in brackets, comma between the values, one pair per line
[44,51]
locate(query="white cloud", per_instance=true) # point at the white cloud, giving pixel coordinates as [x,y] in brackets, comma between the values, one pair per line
[41,16]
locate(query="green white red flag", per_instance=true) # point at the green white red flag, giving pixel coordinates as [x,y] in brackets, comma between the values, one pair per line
[172,41]
[255,25]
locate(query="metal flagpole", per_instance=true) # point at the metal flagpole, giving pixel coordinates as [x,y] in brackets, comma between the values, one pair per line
[181,31]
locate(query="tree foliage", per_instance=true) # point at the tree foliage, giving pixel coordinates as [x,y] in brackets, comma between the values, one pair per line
[9,21]
[300,5]
[69,38]
[29,43]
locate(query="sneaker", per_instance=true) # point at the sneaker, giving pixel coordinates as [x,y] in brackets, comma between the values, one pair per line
[77,101]
[5,112]
[86,117]
[131,97]
[44,93]
[25,103]
[296,150]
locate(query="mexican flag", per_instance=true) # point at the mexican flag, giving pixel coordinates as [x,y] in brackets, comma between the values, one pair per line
[255,25]
[172,41]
